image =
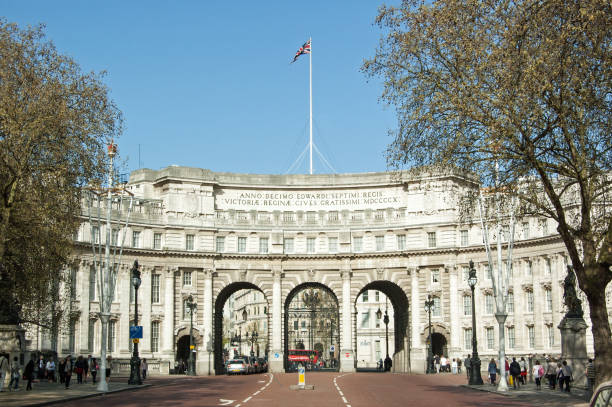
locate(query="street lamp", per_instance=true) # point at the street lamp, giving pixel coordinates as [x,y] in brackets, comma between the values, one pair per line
[135,361]
[311,300]
[429,305]
[192,307]
[253,339]
[475,377]
[386,321]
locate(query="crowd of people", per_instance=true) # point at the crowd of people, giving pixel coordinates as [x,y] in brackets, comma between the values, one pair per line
[61,372]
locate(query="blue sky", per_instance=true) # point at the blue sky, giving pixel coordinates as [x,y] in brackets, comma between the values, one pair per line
[208,84]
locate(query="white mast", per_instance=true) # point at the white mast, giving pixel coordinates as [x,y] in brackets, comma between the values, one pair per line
[310,60]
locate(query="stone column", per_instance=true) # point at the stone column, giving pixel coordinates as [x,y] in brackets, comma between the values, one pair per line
[347,354]
[84,316]
[205,355]
[167,334]
[123,288]
[276,356]
[417,355]
[455,328]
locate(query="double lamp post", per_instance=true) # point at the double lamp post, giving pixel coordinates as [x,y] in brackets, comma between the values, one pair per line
[192,307]
[475,376]
[386,321]
[135,361]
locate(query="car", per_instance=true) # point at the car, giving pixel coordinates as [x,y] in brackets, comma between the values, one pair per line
[263,365]
[603,395]
[237,366]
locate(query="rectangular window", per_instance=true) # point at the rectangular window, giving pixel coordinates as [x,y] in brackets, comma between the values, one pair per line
[467,305]
[295,325]
[73,284]
[437,308]
[466,273]
[92,284]
[380,243]
[155,336]
[288,245]
[155,288]
[510,303]
[114,237]
[525,230]
[511,337]
[95,233]
[310,245]
[467,338]
[490,338]
[311,217]
[401,242]
[303,324]
[220,244]
[71,335]
[332,216]
[135,238]
[377,321]
[333,244]
[242,244]
[551,335]
[464,237]
[365,319]
[91,334]
[377,349]
[263,245]
[377,295]
[548,268]
[288,217]
[189,239]
[529,301]
[548,297]
[357,243]
[488,303]
[157,240]
[187,278]
[505,233]
[531,335]
[529,268]
[365,296]
[431,239]
[111,336]
[435,276]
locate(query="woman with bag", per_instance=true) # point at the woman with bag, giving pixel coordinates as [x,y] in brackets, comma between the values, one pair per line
[538,372]
[79,367]
[67,370]
[492,371]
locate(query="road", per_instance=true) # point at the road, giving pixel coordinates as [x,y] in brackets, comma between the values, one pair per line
[331,390]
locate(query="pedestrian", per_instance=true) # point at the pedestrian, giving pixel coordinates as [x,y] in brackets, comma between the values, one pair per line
[467,362]
[4,370]
[108,368]
[79,367]
[28,373]
[515,371]
[93,368]
[523,364]
[590,374]
[538,372]
[50,368]
[459,365]
[454,366]
[551,373]
[559,376]
[86,368]
[143,367]
[566,372]
[507,369]
[15,374]
[68,370]
[492,371]
[388,363]
[380,364]
[41,367]
[437,363]
[443,363]
[60,370]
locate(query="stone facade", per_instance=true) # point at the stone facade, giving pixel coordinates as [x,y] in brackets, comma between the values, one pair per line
[206,234]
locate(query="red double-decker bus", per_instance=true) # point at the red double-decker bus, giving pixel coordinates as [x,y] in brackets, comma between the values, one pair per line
[303,356]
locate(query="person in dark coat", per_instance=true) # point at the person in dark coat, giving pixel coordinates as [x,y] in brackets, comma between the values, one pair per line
[28,373]
[60,370]
[515,371]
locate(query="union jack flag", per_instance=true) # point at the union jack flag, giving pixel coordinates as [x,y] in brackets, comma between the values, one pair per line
[304,49]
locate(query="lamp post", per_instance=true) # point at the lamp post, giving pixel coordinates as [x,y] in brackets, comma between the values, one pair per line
[429,304]
[311,300]
[386,321]
[192,307]
[475,376]
[253,339]
[135,361]
[244,318]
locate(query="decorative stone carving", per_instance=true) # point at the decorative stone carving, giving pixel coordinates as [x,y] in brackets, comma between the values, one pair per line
[570,298]
[243,274]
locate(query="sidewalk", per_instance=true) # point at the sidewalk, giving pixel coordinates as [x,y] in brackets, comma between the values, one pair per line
[45,393]
[546,396]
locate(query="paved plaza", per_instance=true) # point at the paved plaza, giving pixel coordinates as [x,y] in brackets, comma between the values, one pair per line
[330,389]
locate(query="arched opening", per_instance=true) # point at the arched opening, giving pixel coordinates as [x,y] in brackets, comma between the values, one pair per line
[182,354]
[241,324]
[438,344]
[311,328]
[377,302]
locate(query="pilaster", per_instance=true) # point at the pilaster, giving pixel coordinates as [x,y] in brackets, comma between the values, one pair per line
[167,336]
[347,353]
[276,356]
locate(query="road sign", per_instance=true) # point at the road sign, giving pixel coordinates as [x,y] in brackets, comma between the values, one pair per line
[301,376]
[347,354]
[135,340]
[191,346]
[276,355]
[332,348]
[136,332]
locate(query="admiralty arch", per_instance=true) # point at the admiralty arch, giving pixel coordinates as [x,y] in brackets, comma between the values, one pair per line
[209,234]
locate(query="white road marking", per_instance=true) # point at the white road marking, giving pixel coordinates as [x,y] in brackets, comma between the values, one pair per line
[343,399]
[258,391]
[225,402]
[246,399]
[340,391]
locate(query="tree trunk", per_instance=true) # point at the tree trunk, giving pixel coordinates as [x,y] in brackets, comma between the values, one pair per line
[600,326]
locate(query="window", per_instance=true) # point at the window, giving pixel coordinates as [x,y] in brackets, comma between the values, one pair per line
[464,237]
[112,335]
[288,245]
[135,238]
[531,336]
[189,239]
[332,243]
[529,301]
[490,337]
[91,334]
[365,319]
[435,276]
[263,245]
[379,214]
[357,243]
[380,243]
[529,268]
[511,337]
[73,284]
[220,244]
[242,244]
[551,335]
[431,239]
[157,240]
[505,233]
[71,335]
[155,288]
[185,309]
[547,267]
[288,217]
[295,325]
[365,296]
[187,278]
[332,216]
[377,349]
[467,305]
[467,338]
[509,269]
[401,242]
[92,284]
[155,336]
[466,273]
[437,309]
[488,303]
[95,233]
[114,236]
[378,320]
[510,303]
[303,324]
[525,226]
[311,217]
[548,298]
[310,245]
[377,295]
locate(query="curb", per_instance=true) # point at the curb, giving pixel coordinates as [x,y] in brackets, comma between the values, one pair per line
[85,396]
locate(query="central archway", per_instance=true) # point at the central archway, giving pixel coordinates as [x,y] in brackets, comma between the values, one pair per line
[311,331]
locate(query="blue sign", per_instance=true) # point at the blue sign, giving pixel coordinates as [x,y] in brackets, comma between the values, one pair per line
[135,332]
[276,355]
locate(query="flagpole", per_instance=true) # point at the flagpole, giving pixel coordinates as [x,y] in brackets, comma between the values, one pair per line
[310,60]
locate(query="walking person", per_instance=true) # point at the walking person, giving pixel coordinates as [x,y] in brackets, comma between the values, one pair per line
[538,372]
[515,371]
[524,367]
[467,362]
[4,370]
[67,370]
[566,371]
[41,367]
[144,367]
[459,365]
[15,374]
[437,363]
[86,368]
[28,373]
[50,368]
[60,370]
[551,374]
[492,371]
[590,374]
[93,368]
[79,367]
[108,368]
[454,366]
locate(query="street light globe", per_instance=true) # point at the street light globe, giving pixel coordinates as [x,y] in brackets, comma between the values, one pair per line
[472,281]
